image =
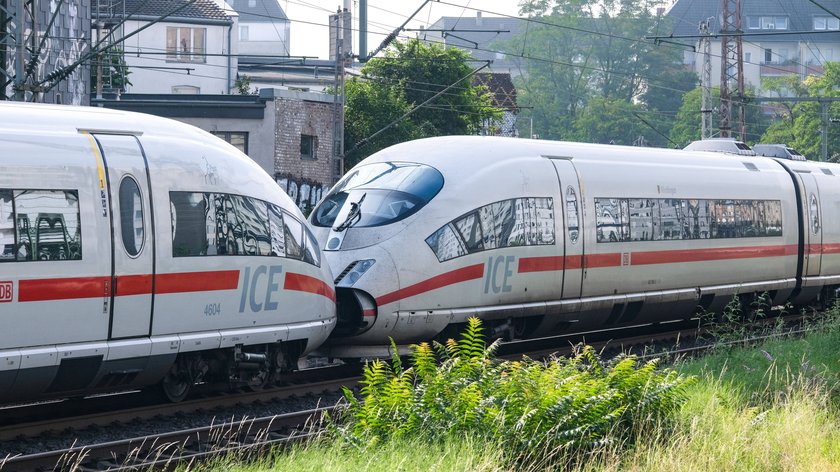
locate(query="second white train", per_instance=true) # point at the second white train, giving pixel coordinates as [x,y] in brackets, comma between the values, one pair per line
[539,237]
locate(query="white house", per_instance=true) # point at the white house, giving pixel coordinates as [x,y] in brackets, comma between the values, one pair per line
[176,46]
[792,37]
[263,27]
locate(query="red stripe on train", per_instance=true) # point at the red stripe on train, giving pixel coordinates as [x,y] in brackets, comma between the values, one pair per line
[551,263]
[305,283]
[714,254]
[456,276]
[62,289]
[182,282]
[824,248]
[133,285]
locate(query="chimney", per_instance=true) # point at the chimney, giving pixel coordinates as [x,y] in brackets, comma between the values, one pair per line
[478,18]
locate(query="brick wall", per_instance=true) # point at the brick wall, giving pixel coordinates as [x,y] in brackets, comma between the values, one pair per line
[305,180]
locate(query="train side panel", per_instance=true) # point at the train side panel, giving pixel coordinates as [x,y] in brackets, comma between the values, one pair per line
[201,290]
[740,227]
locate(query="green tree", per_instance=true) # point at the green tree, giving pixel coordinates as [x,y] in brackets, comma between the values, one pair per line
[687,127]
[114,70]
[578,50]
[408,75]
[622,127]
[800,125]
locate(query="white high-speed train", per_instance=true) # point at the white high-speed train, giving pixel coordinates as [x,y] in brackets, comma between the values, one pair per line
[539,237]
[137,250]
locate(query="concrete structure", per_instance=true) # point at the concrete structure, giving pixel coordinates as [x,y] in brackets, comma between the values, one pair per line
[191,50]
[263,27]
[65,44]
[806,37]
[289,134]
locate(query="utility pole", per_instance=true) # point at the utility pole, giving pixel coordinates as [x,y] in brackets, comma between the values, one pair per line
[363,21]
[731,70]
[338,97]
[706,79]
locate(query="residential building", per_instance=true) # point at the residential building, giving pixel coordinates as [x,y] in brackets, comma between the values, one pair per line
[478,35]
[174,46]
[793,37]
[263,27]
[57,75]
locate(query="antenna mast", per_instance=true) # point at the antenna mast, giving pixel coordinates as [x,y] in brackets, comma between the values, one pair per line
[732,69]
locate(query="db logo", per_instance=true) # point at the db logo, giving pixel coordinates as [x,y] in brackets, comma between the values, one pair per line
[6,291]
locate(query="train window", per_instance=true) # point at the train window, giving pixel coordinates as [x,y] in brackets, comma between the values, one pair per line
[541,214]
[193,224]
[572,221]
[7,226]
[470,230]
[642,211]
[293,234]
[311,253]
[132,228]
[503,225]
[47,225]
[516,222]
[670,218]
[669,224]
[724,219]
[814,211]
[446,244]
[488,227]
[612,222]
[697,218]
[278,236]
[392,191]
[250,230]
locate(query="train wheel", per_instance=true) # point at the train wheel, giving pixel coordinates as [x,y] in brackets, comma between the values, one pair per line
[176,385]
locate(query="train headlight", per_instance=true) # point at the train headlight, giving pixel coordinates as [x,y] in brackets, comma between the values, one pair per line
[353,272]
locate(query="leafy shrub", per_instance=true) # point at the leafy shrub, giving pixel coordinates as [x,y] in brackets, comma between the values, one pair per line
[536,410]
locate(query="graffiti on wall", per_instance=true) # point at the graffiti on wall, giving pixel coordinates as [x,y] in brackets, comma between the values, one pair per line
[304,192]
[63,45]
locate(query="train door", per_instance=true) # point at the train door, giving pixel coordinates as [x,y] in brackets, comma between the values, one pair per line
[569,211]
[132,235]
[812,226]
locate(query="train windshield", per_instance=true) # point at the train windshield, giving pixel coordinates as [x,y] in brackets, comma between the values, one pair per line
[378,194]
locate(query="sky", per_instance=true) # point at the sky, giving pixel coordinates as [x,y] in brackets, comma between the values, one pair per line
[309,19]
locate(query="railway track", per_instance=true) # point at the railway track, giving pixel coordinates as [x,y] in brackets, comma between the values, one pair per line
[256,434]
[178,447]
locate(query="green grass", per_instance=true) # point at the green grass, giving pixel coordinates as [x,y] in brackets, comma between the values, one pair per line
[453,454]
[771,407]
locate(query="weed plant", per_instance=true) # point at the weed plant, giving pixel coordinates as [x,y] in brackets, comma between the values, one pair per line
[541,413]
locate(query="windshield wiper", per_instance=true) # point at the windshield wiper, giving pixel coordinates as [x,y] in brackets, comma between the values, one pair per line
[353,216]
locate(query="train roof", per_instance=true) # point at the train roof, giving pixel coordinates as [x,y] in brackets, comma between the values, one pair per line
[72,119]
[447,153]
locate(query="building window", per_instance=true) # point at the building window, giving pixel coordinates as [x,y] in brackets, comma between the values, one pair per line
[238,139]
[767,22]
[252,3]
[185,44]
[186,89]
[243,33]
[822,23]
[308,145]
[768,56]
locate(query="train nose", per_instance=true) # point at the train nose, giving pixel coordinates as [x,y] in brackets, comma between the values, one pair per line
[356,285]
